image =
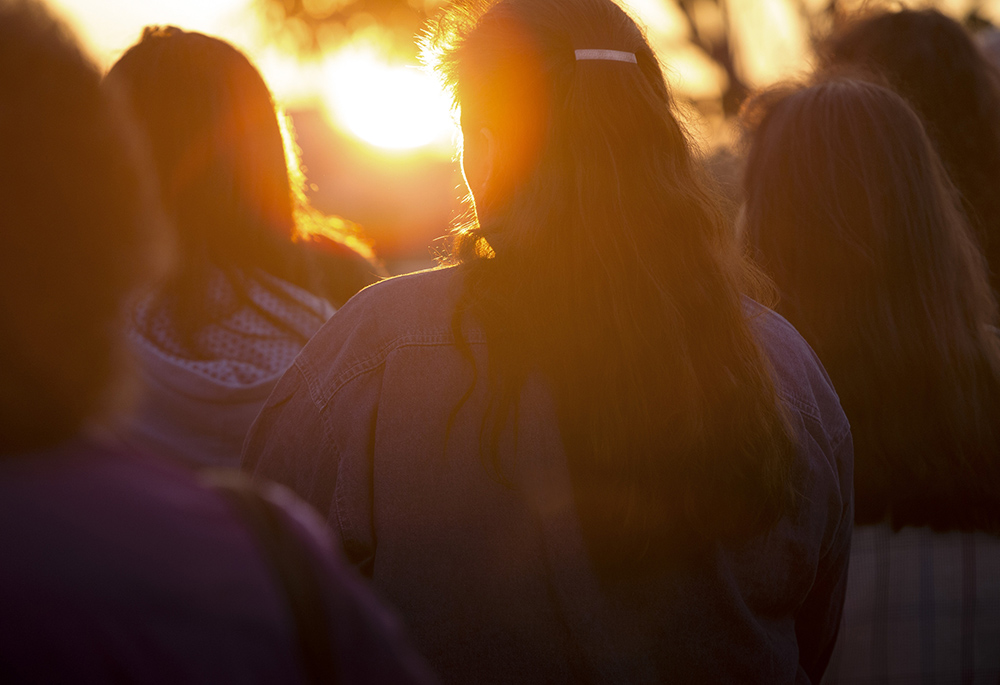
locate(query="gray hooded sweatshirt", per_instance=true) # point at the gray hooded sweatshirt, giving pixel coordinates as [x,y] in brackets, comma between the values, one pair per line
[198,410]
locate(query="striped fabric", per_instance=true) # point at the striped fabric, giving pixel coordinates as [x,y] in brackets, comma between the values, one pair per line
[922,607]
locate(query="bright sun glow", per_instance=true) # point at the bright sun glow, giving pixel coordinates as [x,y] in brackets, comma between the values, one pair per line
[391,106]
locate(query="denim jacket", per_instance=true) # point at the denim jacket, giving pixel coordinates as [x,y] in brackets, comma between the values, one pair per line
[494,580]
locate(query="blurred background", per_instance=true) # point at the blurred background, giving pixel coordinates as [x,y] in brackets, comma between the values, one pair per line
[377,139]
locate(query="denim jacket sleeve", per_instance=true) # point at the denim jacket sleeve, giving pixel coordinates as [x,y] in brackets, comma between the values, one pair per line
[370,641]
[818,620]
[291,443]
[316,433]
[827,491]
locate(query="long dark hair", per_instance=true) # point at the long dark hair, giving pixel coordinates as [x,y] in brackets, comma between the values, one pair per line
[600,260]
[854,217]
[79,230]
[226,181]
[933,63]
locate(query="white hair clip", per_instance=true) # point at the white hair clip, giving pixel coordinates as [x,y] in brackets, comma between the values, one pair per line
[610,55]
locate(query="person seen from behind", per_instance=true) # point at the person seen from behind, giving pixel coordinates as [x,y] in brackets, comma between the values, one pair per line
[258,271]
[934,63]
[119,566]
[579,453]
[852,213]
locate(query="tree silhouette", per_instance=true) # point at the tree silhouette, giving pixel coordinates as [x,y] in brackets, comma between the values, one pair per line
[304,23]
[308,26]
[719,49]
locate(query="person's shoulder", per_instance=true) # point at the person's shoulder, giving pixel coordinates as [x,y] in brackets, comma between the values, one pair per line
[783,344]
[419,298]
[94,460]
[801,379]
[415,309]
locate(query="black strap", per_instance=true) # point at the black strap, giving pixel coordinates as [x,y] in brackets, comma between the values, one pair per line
[293,568]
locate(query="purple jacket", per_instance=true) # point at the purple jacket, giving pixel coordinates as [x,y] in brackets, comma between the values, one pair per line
[117,567]
[494,581]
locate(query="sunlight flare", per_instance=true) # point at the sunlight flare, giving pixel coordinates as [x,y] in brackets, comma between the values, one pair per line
[391,106]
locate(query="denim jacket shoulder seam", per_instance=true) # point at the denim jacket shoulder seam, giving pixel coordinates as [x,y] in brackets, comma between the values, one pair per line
[811,412]
[837,440]
[807,408]
[305,370]
[330,445]
[323,396]
[346,528]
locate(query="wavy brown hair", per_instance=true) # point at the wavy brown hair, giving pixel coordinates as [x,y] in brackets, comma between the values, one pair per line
[600,260]
[79,227]
[934,64]
[229,181]
[854,217]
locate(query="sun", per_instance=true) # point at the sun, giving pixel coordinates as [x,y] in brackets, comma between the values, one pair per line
[391,106]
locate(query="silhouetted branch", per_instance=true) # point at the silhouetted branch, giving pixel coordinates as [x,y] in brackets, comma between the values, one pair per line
[306,22]
[719,51]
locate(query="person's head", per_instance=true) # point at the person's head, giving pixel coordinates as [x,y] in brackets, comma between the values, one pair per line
[934,64]
[217,143]
[600,260]
[853,216]
[532,110]
[77,225]
[228,177]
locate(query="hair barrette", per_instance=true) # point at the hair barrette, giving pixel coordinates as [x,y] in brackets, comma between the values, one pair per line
[608,55]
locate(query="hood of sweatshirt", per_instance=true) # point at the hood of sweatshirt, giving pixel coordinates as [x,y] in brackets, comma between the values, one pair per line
[198,407]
